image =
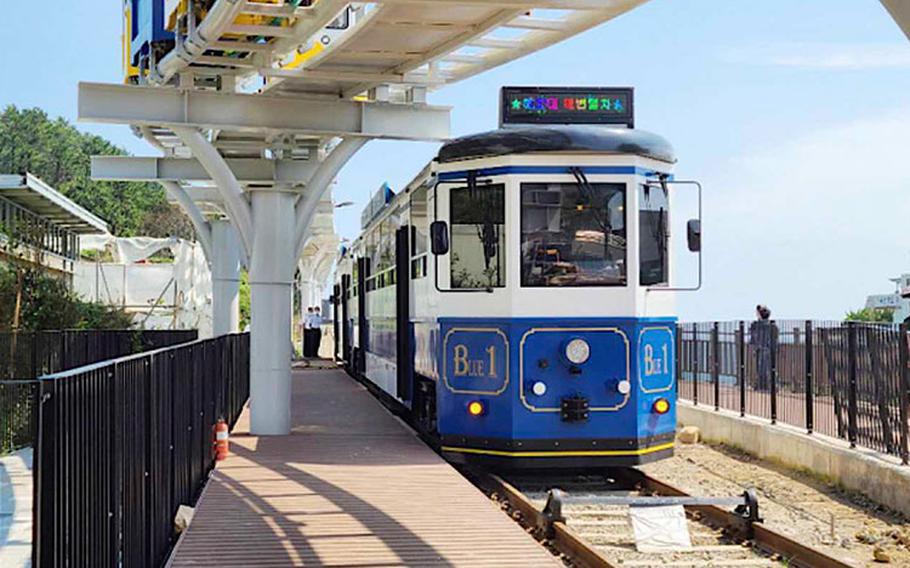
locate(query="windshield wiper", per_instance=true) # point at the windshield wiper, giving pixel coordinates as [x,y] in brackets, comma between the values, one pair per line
[587,192]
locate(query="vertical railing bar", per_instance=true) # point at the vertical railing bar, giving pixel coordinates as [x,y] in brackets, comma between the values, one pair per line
[696,368]
[38,471]
[678,361]
[809,345]
[715,363]
[741,356]
[852,394]
[774,348]
[904,378]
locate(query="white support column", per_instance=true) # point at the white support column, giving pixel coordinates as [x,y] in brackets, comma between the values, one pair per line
[225,264]
[271,284]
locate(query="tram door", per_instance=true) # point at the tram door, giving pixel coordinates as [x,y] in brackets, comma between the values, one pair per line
[336,322]
[404,358]
[346,320]
[363,334]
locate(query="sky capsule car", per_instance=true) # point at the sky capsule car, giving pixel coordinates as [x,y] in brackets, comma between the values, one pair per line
[515,298]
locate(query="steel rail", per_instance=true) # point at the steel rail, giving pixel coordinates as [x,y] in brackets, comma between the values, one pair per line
[568,542]
[764,537]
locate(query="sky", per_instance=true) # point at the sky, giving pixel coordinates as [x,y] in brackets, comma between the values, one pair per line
[793,115]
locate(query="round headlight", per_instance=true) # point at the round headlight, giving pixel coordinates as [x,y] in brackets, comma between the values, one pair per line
[578,351]
[624,387]
[661,406]
[476,408]
[539,388]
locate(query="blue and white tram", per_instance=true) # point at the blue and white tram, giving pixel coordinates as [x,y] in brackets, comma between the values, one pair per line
[514,299]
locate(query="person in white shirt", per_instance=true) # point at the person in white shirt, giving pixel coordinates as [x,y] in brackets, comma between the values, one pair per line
[308,333]
[317,330]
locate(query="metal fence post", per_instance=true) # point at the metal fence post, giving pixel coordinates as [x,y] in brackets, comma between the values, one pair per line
[45,529]
[64,352]
[37,336]
[741,355]
[38,465]
[851,365]
[715,363]
[774,340]
[904,378]
[678,359]
[810,369]
[695,366]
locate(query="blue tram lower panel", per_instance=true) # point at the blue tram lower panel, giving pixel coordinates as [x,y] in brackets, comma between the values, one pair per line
[534,404]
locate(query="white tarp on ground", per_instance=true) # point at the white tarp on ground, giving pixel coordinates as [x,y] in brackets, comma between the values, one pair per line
[176,295]
[660,529]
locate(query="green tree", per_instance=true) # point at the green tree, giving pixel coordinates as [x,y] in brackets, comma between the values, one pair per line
[871,315]
[47,303]
[244,299]
[61,156]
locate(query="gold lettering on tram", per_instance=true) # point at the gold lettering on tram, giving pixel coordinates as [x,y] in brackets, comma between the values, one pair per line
[464,366]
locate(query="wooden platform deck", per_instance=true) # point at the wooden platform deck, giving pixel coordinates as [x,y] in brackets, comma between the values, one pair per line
[351,486]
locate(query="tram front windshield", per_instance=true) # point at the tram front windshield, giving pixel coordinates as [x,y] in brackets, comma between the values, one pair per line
[573,234]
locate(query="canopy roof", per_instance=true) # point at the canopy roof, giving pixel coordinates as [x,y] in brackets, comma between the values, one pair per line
[36,196]
[433,43]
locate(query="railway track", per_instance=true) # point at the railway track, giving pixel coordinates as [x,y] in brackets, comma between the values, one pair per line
[583,521]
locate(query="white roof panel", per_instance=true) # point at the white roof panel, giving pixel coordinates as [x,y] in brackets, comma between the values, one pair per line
[409,42]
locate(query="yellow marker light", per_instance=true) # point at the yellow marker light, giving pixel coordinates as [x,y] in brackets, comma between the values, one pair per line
[476,408]
[661,406]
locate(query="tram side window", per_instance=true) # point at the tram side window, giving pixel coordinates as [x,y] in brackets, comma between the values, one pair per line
[478,237]
[419,223]
[654,236]
[573,234]
[386,245]
[371,249]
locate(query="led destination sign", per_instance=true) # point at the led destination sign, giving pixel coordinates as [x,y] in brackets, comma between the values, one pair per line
[567,105]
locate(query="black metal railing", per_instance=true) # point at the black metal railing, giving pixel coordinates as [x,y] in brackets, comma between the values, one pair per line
[30,354]
[124,443]
[24,356]
[849,380]
[18,414]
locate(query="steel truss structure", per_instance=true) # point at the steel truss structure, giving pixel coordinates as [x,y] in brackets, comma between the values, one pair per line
[254,122]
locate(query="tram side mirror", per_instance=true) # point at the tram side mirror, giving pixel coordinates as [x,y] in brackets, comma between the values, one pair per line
[693,230]
[439,237]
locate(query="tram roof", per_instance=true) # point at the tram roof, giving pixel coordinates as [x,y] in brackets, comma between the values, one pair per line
[558,138]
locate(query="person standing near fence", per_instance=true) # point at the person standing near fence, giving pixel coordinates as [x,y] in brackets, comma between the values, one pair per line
[763,336]
[308,333]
